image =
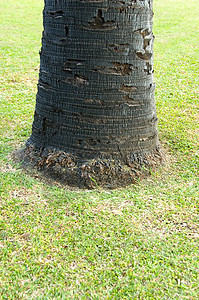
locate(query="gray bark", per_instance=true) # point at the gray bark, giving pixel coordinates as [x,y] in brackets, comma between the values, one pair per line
[96,92]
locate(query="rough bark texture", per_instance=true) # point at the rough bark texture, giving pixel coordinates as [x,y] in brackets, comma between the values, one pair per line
[95,100]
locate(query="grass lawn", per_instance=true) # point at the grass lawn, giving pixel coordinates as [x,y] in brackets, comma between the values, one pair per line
[135,243]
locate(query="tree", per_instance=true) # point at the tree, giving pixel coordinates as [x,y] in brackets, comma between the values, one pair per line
[95,118]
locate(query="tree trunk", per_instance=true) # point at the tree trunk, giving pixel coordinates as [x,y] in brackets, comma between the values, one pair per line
[95,117]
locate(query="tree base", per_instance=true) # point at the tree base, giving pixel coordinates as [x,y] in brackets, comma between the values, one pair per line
[104,172]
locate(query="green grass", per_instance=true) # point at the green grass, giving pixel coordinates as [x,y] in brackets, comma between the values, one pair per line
[135,243]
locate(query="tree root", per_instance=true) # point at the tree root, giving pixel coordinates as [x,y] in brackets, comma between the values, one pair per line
[105,172]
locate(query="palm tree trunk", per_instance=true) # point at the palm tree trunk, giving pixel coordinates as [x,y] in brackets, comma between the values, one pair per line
[95,97]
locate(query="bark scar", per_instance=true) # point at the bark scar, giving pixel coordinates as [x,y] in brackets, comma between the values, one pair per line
[121,69]
[77,80]
[147,36]
[56,13]
[99,23]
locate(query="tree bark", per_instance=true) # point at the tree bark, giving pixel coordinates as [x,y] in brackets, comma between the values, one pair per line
[95,110]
